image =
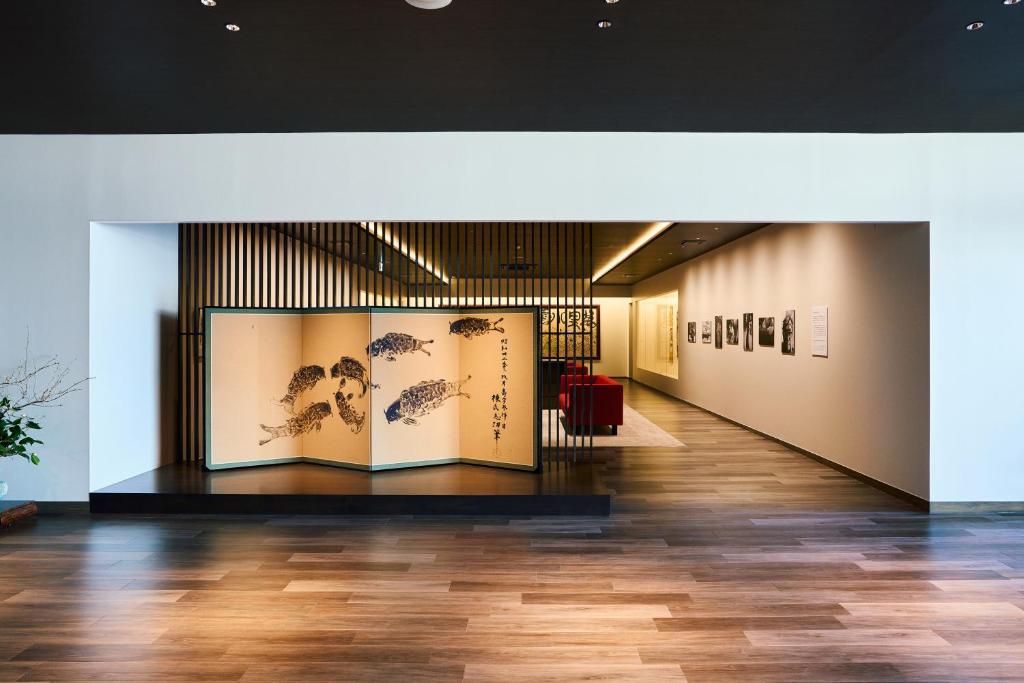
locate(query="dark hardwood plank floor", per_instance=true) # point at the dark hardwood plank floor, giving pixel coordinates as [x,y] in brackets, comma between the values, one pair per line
[729,559]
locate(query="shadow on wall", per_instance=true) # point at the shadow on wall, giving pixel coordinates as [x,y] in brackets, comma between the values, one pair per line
[133,306]
[168,407]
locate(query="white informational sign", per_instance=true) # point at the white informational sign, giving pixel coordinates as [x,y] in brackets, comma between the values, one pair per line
[819,331]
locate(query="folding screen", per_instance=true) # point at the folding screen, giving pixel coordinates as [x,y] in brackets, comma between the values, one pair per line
[303,267]
[371,388]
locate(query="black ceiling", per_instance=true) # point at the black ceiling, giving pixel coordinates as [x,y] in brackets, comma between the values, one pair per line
[169,66]
[417,253]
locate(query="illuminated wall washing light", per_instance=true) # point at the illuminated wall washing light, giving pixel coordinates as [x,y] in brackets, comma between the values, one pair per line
[429,4]
[649,234]
[385,235]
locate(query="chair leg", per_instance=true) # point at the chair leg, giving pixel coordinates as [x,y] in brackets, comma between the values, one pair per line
[615,430]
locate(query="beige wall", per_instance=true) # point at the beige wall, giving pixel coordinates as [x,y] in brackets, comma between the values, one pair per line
[614,337]
[866,406]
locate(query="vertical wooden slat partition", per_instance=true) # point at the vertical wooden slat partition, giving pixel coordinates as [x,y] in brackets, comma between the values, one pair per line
[415,265]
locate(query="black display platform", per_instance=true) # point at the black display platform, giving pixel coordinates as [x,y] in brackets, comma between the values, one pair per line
[304,488]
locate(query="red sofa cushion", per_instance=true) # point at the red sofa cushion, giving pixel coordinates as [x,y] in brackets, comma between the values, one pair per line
[572,370]
[590,400]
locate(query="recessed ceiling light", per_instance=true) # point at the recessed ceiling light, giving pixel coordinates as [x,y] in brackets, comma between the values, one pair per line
[429,4]
[612,2]
[975,25]
[652,231]
[1011,2]
[209,3]
[385,235]
[233,27]
[604,24]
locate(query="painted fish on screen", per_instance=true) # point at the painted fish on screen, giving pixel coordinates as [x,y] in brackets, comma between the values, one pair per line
[348,414]
[310,419]
[422,399]
[349,368]
[474,327]
[394,344]
[304,379]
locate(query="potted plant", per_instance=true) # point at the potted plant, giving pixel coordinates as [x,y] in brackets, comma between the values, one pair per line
[33,384]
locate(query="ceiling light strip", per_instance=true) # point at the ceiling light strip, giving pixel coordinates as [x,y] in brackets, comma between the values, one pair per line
[639,243]
[387,236]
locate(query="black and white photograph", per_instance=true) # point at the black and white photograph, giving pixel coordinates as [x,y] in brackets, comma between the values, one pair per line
[789,333]
[766,331]
[691,332]
[732,331]
[748,331]
[718,331]
[705,334]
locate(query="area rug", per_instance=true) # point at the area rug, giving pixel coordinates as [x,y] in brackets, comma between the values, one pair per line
[636,432]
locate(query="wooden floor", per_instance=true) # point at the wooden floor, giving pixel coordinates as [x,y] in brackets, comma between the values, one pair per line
[731,559]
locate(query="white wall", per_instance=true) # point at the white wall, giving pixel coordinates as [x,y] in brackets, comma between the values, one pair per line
[133,312]
[614,337]
[966,186]
[866,405]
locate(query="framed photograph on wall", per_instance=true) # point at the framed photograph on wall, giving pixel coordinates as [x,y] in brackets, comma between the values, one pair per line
[705,334]
[789,333]
[732,331]
[691,332]
[766,331]
[748,331]
[718,331]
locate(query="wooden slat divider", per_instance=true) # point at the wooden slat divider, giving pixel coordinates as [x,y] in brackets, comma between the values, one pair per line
[433,265]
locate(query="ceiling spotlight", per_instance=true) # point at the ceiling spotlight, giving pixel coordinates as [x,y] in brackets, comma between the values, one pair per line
[604,24]
[1011,2]
[233,27]
[975,25]
[429,4]
[612,2]
[209,3]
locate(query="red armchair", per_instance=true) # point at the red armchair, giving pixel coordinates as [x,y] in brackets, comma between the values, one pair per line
[588,400]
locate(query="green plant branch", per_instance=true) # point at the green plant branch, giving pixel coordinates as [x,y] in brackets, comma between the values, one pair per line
[32,384]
